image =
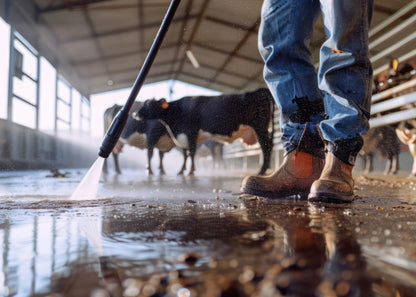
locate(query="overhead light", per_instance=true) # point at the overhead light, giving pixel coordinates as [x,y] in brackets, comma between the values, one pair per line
[192,58]
[110,82]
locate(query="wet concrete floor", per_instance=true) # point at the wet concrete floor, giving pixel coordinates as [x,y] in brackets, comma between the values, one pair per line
[198,236]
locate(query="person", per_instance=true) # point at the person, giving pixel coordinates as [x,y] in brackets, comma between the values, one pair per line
[323,113]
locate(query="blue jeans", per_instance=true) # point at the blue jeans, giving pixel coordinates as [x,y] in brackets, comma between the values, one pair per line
[335,102]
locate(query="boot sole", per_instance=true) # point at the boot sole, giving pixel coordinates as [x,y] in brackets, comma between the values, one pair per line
[273,195]
[330,198]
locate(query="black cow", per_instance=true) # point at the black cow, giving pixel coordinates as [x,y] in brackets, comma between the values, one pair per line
[223,118]
[148,134]
[109,115]
[141,134]
[384,140]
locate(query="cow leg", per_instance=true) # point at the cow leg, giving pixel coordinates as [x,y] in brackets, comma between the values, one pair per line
[161,169]
[214,156]
[192,170]
[192,151]
[266,144]
[368,163]
[220,152]
[412,149]
[185,157]
[149,161]
[395,164]
[116,164]
[389,162]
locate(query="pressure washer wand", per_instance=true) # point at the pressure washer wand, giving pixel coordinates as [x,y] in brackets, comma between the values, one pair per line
[117,126]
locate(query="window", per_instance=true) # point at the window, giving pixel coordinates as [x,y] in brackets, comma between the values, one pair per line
[23,113]
[25,83]
[63,101]
[76,110]
[4,69]
[25,88]
[85,115]
[47,96]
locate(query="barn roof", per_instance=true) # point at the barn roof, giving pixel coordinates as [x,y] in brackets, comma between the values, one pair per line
[106,41]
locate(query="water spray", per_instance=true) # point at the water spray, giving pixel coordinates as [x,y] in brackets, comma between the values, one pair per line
[120,120]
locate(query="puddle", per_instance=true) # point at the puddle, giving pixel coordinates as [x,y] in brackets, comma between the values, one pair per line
[199,237]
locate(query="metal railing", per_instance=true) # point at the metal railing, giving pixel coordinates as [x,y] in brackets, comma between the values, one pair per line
[394,105]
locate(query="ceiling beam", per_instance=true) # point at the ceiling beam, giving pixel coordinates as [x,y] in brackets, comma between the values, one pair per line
[229,24]
[175,60]
[211,48]
[124,30]
[118,56]
[163,74]
[63,6]
[142,26]
[203,66]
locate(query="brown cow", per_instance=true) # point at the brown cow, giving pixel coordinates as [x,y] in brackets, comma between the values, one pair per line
[384,140]
[395,74]
[406,131]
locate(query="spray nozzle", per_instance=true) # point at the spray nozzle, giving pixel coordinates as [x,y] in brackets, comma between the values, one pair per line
[113,133]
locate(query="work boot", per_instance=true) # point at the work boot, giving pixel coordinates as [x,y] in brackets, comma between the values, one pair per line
[295,176]
[335,184]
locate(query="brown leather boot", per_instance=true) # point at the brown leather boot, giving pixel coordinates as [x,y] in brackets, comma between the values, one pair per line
[295,176]
[336,184]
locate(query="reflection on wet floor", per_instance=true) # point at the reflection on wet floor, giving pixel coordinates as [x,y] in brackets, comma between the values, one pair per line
[199,237]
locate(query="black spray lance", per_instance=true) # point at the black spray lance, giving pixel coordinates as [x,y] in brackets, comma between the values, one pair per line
[117,126]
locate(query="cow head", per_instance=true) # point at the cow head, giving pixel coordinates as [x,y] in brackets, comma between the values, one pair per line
[153,109]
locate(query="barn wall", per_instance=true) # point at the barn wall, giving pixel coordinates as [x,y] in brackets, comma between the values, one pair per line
[24,148]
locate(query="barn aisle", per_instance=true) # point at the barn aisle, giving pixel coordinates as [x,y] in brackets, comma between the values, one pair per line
[198,236]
